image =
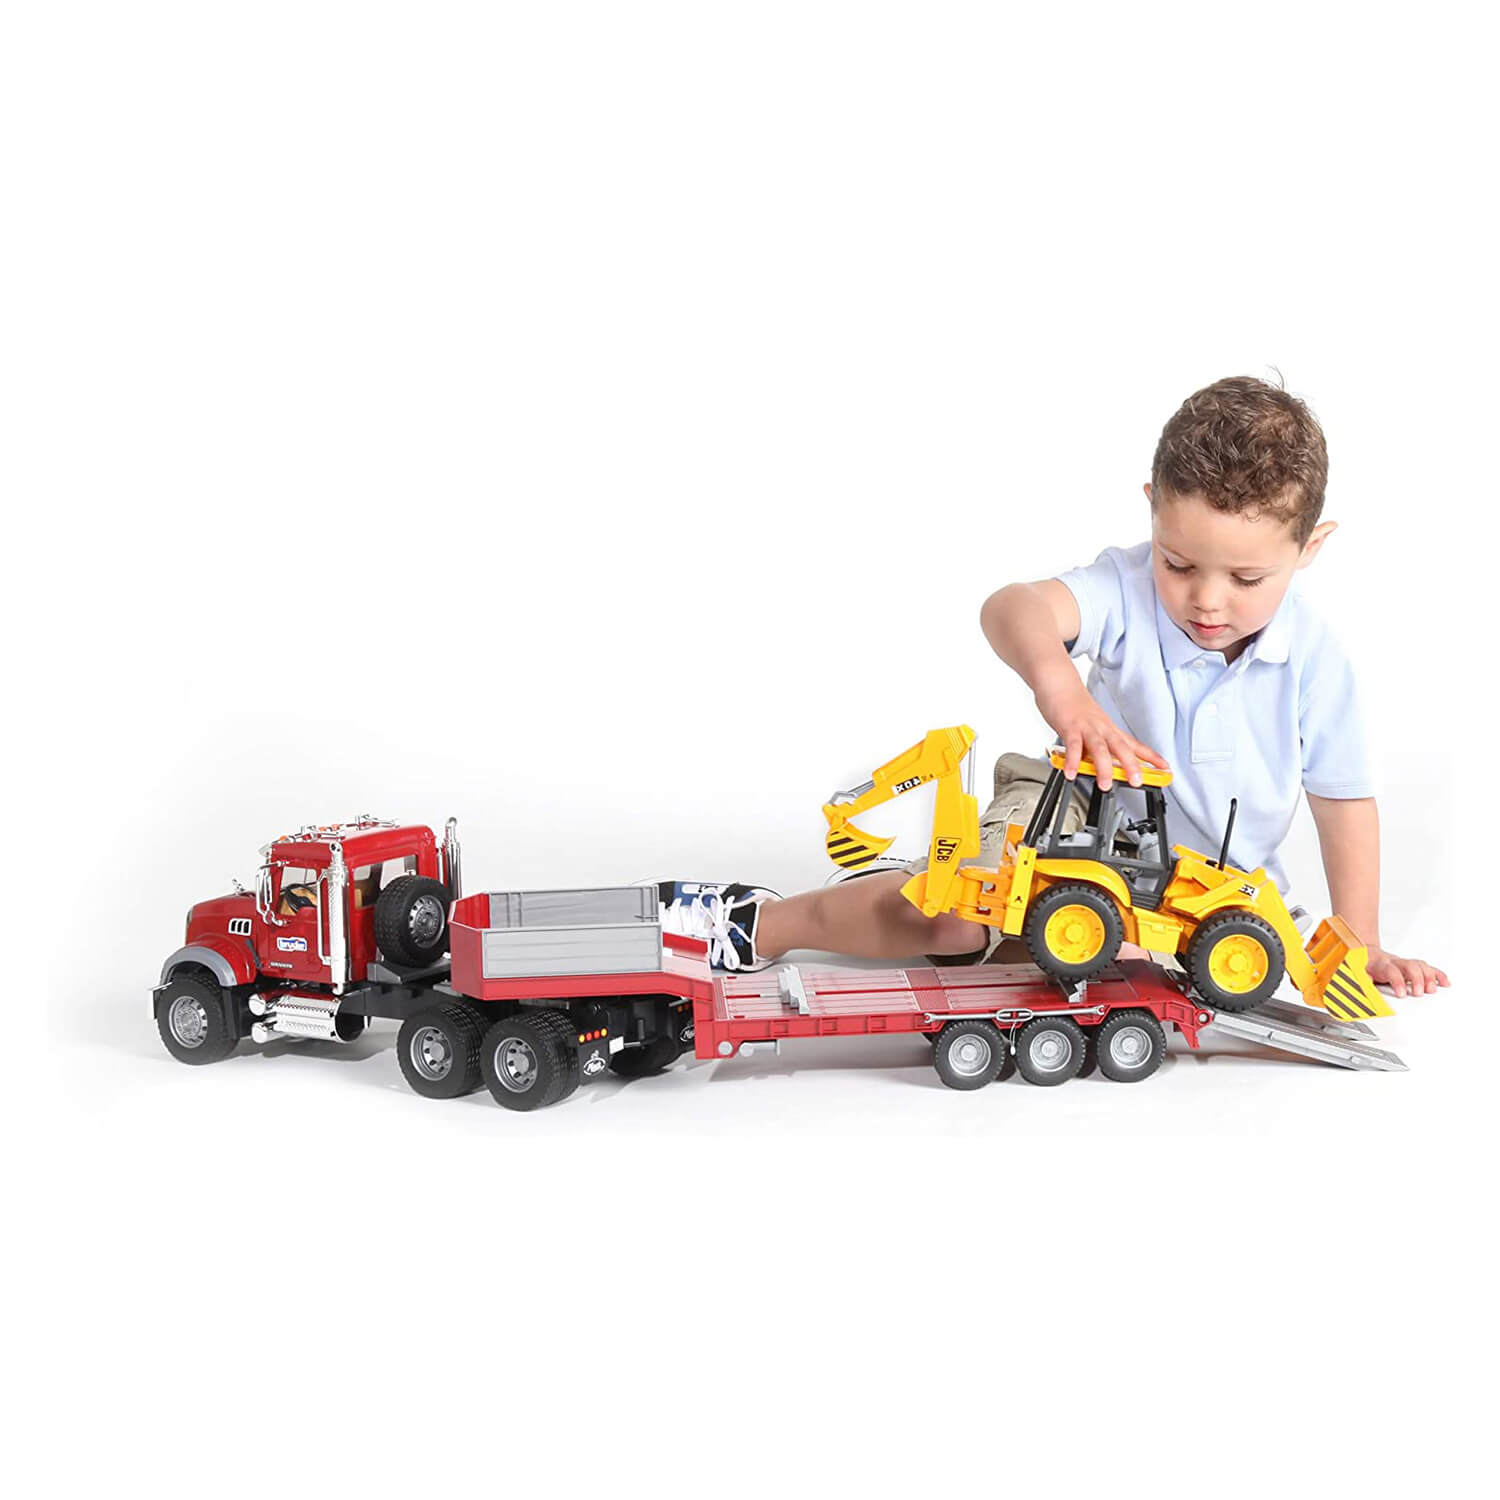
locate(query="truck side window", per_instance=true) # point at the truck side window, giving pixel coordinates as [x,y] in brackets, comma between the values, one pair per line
[299,890]
[366,884]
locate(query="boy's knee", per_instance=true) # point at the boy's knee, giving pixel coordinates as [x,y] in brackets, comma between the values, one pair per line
[950,934]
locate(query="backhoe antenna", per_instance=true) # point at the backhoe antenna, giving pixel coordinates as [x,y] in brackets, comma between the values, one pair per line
[1234,803]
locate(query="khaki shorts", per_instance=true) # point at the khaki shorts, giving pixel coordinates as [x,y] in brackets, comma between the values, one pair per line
[1020,781]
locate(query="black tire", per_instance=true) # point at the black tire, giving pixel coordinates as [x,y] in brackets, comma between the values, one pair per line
[1241,925]
[647,1060]
[191,1020]
[438,1050]
[565,1032]
[969,1054]
[528,1060]
[411,921]
[1090,1064]
[1048,904]
[1050,1050]
[1130,1045]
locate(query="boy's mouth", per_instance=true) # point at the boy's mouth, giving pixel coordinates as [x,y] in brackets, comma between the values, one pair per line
[1210,632]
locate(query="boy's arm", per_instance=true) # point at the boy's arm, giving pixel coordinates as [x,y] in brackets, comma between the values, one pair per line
[1349,838]
[1028,626]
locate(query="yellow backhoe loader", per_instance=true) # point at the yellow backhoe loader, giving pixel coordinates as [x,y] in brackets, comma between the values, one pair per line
[1075,897]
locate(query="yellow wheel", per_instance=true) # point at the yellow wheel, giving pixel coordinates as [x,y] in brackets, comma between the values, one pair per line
[1235,960]
[1073,931]
[1238,963]
[1074,934]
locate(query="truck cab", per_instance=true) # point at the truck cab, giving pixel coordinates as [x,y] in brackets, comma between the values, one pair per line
[334,905]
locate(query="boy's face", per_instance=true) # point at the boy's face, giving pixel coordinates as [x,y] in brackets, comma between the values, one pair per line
[1220,576]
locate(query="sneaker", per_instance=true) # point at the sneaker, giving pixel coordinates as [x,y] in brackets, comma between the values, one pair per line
[724,916]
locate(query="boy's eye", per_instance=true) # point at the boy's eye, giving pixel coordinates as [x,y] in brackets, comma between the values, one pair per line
[1177,567]
[1250,583]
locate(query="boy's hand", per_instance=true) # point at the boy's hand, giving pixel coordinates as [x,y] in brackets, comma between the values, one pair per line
[1086,730]
[1403,974]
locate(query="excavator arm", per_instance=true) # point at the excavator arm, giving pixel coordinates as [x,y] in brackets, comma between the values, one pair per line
[939,757]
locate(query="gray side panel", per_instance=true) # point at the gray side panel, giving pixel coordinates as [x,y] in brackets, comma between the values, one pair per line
[617,949]
[216,962]
[573,908]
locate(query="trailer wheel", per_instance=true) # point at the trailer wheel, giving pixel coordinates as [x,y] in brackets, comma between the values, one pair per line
[528,1061]
[1073,931]
[191,1020]
[970,1054]
[647,1060]
[1235,960]
[411,920]
[1050,1050]
[438,1049]
[1130,1045]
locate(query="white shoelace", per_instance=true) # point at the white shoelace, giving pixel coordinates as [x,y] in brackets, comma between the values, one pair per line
[706,916]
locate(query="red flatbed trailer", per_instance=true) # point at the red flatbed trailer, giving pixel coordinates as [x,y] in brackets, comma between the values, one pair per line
[881,1002]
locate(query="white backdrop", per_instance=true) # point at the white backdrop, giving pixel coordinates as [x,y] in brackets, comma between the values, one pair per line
[603,423]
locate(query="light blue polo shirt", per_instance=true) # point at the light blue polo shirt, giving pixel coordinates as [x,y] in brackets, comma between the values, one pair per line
[1282,717]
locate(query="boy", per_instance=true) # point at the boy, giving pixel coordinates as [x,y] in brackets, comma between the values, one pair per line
[1199,645]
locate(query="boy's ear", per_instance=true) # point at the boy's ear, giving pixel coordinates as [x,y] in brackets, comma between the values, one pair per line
[1321,532]
[1147,488]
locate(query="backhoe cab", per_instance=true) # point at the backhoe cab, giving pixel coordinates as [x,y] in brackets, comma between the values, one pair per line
[1075,897]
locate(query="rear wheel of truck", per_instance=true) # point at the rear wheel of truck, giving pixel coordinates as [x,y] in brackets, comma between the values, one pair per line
[190,1017]
[411,921]
[1235,960]
[1073,931]
[528,1060]
[1050,1050]
[1129,1045]
[970,1054]
[438,1049]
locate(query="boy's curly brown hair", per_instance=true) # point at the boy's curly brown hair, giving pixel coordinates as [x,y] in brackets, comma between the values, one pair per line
[1246,447]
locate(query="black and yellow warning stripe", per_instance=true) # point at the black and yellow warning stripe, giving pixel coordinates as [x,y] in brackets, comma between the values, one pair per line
[1343,996]
[847,853]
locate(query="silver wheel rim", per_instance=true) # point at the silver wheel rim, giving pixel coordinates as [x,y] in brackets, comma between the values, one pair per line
[1130,1047]
[515,1065]
[431,1054]
[188,1021]
[1051,1051]
[425,921]
[970,1055]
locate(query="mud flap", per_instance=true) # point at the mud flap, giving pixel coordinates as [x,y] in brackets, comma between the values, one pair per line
[1341,983]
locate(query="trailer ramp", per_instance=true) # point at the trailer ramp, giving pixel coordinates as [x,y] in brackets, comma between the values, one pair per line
[1307,1032]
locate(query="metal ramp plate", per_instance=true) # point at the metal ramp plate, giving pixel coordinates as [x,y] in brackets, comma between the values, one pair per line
[1307,1032]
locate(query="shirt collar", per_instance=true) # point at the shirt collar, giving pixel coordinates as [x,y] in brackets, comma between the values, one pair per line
[1272,643]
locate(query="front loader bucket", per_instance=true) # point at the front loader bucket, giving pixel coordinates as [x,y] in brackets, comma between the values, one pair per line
[1341,983]
[850,847]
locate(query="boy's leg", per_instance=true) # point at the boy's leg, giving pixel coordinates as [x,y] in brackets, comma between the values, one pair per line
[866,918]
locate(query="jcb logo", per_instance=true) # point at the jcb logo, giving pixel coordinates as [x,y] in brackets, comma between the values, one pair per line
[946,849]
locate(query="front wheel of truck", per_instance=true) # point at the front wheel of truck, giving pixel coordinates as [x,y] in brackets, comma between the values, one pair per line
[191,1020]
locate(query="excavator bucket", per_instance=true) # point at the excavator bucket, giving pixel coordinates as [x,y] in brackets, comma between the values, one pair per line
[1341,983]
[850,847]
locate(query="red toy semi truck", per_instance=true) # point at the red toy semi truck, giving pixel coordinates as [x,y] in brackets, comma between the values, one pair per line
[533,992]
